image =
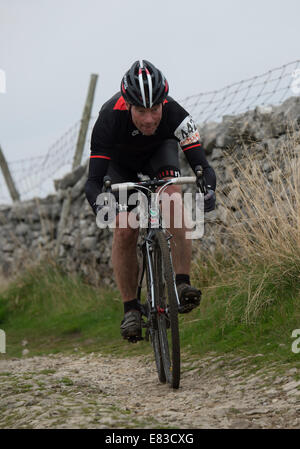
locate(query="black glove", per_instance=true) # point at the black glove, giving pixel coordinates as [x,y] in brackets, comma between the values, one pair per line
[97,208]
[110,204]
[200,181]
[209,201]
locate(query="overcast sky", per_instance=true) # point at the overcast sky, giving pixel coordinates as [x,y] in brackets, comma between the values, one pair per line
[49,48]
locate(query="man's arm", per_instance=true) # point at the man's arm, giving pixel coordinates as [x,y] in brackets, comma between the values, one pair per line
[196,156]
[97,170]
[99,160]
[189,140]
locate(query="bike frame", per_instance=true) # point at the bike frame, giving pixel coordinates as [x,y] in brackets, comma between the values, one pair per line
[154,219]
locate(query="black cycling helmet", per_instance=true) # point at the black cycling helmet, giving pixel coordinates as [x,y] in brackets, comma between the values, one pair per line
[144,85]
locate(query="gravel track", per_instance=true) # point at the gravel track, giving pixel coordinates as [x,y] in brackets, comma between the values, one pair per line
[96,391]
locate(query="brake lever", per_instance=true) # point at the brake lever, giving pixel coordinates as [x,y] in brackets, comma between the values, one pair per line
[106,187]
[200,179]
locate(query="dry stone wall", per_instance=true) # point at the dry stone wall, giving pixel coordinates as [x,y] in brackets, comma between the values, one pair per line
[35,229]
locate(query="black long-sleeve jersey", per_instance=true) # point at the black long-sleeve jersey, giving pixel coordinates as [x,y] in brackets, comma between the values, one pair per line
[115,137]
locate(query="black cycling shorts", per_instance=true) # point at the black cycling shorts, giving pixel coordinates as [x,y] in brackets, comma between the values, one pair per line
[160,160]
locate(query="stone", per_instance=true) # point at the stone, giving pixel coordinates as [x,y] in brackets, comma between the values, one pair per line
[70,179]
[89,243]
[291,386]
[21,229]
[217,153]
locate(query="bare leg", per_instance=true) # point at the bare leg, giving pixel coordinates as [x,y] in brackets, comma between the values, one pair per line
[181,251]
[124,260]
[173,216]
[189,297]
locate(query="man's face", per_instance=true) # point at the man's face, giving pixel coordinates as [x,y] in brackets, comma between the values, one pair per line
[146,119]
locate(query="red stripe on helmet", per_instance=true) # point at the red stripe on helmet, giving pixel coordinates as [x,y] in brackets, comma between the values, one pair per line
[120,105]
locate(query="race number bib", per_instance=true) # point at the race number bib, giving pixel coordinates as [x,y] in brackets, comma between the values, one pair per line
[187,132]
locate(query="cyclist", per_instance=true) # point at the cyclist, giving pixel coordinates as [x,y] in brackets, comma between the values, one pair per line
[138,131]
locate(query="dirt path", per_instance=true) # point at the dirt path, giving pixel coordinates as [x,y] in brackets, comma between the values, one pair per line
[94,391]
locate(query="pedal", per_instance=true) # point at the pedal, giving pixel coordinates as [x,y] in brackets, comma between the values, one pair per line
[186,308]
[191,304]
[134,339]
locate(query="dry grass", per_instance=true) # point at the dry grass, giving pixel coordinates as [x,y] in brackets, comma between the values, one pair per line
[260,242]
[4,283]
[267,225]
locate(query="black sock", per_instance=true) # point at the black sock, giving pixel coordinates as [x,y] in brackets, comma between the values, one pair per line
[182,279]
[133,304]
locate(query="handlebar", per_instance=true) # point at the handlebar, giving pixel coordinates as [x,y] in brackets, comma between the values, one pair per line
[125,186]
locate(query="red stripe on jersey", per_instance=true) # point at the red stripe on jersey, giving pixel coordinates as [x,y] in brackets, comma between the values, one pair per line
[101,157]
[120,105]
[166,101]
[192,146]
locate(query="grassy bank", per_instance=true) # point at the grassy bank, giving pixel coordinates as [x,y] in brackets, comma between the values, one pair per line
[53,312]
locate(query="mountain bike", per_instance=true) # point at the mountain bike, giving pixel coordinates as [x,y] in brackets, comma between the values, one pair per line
[160,309]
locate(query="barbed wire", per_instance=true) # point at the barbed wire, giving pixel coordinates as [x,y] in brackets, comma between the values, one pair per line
[34,176]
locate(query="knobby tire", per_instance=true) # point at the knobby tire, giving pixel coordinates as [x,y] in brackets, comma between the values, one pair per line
[166,299]
[153,330]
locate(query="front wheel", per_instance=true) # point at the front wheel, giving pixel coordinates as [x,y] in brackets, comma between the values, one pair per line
[167,309]
[153,328]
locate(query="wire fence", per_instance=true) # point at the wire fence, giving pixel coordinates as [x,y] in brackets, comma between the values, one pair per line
[270,88]
[34,176]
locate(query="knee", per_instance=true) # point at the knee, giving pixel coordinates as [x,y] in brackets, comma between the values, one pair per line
[171,198]
[126,236]
[173,190]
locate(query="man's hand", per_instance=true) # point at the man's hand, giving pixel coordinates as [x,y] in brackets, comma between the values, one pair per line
[98,208]
[106,213]
[209,201]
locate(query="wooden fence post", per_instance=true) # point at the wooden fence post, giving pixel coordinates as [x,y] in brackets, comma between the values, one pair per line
[63,219]
[85,121]
[8,178]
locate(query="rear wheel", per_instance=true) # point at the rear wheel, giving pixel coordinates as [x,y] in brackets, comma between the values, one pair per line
[167,310]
